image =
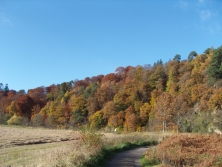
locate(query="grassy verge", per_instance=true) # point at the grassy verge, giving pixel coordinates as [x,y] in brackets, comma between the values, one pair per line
[149,159]
[147,163]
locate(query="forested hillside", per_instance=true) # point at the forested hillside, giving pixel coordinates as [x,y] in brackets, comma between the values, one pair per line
[179,95]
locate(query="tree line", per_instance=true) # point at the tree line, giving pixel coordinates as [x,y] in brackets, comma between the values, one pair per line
[179,95]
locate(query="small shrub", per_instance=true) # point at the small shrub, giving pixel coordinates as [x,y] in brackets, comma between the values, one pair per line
[89,147]
[37,120]
[15,120]
[49,122]
[91,139]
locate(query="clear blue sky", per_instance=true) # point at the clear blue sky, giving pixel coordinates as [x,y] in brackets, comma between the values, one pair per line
[46,42]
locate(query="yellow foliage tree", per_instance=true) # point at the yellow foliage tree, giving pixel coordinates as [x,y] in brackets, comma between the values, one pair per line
[96,120]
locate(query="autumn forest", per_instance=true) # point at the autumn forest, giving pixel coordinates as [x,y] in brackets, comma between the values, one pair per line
[179,95]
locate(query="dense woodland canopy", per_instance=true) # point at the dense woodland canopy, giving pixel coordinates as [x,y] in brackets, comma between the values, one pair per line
[179,95]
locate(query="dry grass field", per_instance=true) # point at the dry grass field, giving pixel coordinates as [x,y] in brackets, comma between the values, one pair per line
[14,136]
[33,146]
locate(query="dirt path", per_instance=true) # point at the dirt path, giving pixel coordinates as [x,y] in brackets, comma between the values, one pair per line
[129,158]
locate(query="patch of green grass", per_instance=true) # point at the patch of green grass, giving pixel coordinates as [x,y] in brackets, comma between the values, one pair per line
[149,163]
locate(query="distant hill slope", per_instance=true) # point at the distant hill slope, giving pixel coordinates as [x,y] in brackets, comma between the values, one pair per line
[179,95]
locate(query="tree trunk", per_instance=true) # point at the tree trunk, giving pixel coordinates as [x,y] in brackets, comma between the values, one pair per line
[164,126]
